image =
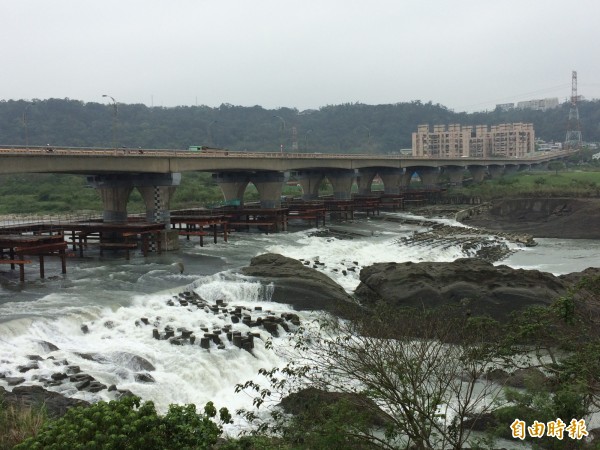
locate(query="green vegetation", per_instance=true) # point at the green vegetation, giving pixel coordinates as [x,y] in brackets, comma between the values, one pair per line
[560,183]
[18,423]
[346,128]
[129,424]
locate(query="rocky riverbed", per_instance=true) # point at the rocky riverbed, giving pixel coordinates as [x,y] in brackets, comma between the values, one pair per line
[566,218]
[473,284]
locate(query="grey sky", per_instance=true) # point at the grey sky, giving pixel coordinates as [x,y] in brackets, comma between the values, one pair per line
[465,54]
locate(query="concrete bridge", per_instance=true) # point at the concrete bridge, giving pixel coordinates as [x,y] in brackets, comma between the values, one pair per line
[157,172]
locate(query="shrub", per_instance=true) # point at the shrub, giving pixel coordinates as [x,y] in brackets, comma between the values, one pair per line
[128,424]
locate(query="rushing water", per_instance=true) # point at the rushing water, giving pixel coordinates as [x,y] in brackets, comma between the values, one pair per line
[109,296]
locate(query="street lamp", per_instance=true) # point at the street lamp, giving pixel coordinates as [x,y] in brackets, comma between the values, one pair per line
[114,125]
[26,124]
[306,140]
[282,132]
[209,135]
[368,138]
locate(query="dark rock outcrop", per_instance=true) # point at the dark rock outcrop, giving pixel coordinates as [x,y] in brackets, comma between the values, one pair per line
[36,396]
[565,218]
[474,285]
[313,402]
[298,285]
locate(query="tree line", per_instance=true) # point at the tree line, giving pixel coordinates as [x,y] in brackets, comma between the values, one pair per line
[345,128]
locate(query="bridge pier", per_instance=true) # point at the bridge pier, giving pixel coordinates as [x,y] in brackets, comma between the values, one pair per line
[114,191]
[392,180]
[408,174]
[511,169]
[310,182]
[496,171]
[233,185]
[455,174]
[268,184]
[341,181]
[477,172]
[157,191]
[270,187]
[524,167]
[364,180]
[429,176]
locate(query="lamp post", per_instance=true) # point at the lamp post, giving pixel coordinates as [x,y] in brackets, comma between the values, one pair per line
[208,133]
[114,125]
[368,138]
[281,133]
[26,124]
[306,140]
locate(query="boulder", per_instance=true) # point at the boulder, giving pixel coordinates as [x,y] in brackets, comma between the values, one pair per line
[313,403]
[55,404]
[564,218]
[474,285]
[298,285]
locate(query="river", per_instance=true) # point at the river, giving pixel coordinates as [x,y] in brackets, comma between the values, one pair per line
[93,314]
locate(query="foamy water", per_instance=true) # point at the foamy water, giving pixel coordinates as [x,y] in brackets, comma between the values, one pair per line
[111,296]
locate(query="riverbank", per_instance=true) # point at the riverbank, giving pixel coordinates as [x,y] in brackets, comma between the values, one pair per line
[564,218]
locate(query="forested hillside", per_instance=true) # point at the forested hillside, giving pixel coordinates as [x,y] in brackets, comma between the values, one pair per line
[348,128]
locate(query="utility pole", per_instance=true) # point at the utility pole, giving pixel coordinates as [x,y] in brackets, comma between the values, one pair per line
[573,137]
[114,125]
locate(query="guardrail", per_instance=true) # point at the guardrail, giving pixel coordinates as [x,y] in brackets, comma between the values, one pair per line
[145,153]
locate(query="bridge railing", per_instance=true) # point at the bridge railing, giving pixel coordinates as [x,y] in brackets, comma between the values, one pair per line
[139,152]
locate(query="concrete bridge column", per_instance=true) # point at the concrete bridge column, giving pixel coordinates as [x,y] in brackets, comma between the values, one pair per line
[310,182]
[392,180]
[341,181]
[114,202]
[524,167]
[364,180]
[114,191]
[270,187]
[429,176]
[455,174]
[511,169]
[408,174]
[495,171]
[158,202]
[478,173]
[233,185]
[157,191]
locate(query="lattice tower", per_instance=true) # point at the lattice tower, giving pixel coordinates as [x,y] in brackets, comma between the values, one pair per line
[573,138]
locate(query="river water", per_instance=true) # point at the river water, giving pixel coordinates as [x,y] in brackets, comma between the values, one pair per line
[93,314]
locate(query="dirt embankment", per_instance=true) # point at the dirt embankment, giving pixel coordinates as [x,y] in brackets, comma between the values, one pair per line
[569,218]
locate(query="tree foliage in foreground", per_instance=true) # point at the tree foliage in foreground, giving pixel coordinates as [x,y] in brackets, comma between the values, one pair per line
[420,373]
[129,424]
[563,343]
[420,379]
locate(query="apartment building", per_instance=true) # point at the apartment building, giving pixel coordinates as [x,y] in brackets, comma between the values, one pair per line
[455,141]
[541,104]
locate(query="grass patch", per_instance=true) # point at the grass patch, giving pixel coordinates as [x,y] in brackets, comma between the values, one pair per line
[536,184]
[18,423]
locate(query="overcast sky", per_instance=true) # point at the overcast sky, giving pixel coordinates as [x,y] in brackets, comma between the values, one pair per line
[465,54]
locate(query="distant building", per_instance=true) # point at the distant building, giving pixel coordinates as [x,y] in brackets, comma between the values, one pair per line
[543,146]
[455,141]
[505,106]
[540,104]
